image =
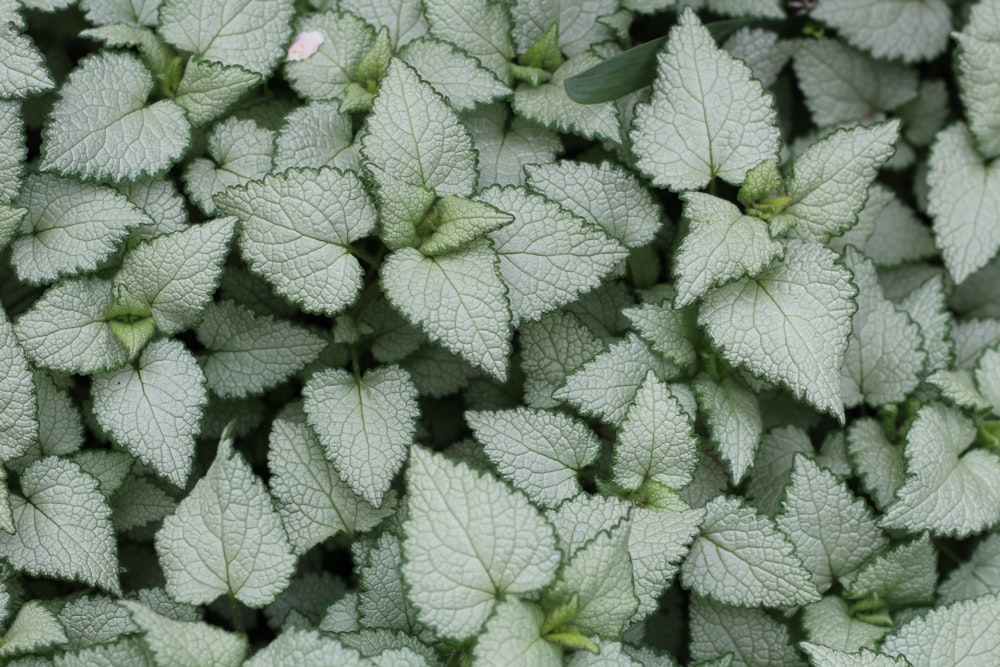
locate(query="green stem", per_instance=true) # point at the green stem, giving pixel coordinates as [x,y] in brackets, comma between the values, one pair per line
[234,606]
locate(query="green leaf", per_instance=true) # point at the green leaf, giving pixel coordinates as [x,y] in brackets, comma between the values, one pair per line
[110,468]
[19,404]
[512,637]
[312,499]
[305,647]
[22,67]
[177,643]
[67,330]
[604,195]
[773,466]
[903,576]
[549,105]
[413,136]
[459,222]
[988,377]
[668,331]
[10,221]
[979,575]
[962,632]
[13,154]
[761,49]
[950,489]
[599,575]
[833,532]
[93,620]
[830,622]
[239,151]
[479,27]
[328,72]
[63,526]
[617,76]
[296,232]
[877,462]
[733,418]
[137,12]
[959,387]
[102,128]
[578,24]
[454,74]
[974,57]
[247,354]
[892,29]
[208,88]
[884,360]
[962,197]
[365,424]
[551,349]
[742,559]
[70,228]
[548,256]
[176,274]
[829,183]
[316,135]
[212,546]
[824,656]
[459,553]
[382,600]
[790,324]
[34,630]
[161,201]
[505,143]
[684,139]
[541,453]
[457,300]
[404,18]
[606,385]
[139,502]
[658,541]
[827,72]
[899,236]
[248,33]
[157,54]
[722,245]
[154,408]
[927,305]
[751,636]
[656,440]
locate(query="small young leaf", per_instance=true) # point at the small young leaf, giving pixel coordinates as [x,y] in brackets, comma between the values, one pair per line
[903,576]
[212,546]
[579,27]
[70,228]
[656,440]
[313,501]
[63,526]
[297,229]
[154,408]
[877,462]
[248,33]
[790,324]
[950,488]
[365,424]
[722,245]
[830,622]
[459,222]
[539,452]
[685,139]
[102,128]
[742,559]
[548,256]
[460,552]
[177,644]
[458,299]
[247,354]
[962,632]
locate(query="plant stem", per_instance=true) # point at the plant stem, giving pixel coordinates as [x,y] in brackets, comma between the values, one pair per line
[234,606]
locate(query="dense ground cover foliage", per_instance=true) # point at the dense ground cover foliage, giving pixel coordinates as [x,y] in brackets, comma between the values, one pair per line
[401,332]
